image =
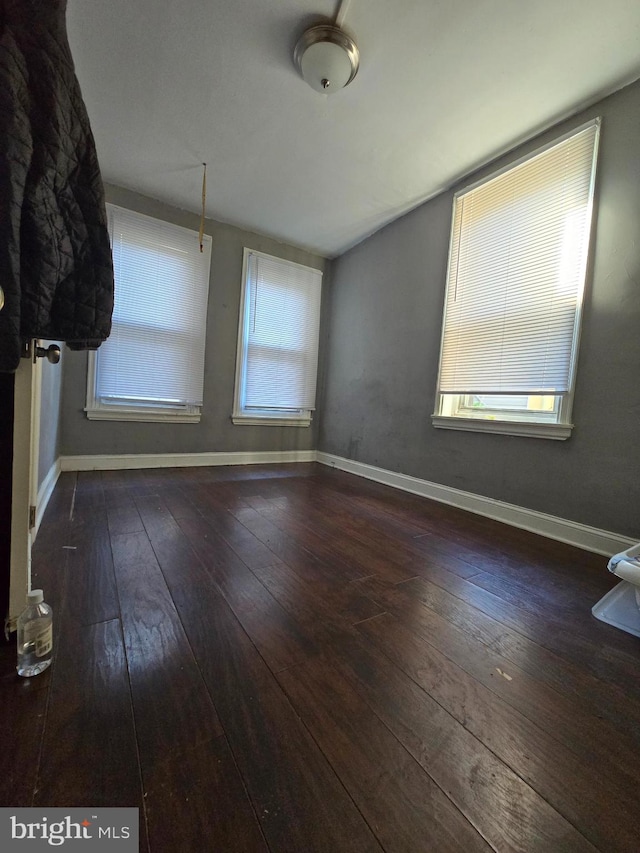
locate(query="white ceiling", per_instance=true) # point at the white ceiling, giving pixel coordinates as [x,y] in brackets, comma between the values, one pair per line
[443,86]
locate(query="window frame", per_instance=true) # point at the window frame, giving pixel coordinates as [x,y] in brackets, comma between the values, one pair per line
[544,428]
[445,415]
[261,417]
[97,409]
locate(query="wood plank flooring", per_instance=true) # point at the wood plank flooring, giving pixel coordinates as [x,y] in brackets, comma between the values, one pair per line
[292,659]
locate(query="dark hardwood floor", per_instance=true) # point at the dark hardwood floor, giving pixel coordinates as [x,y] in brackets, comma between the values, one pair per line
[290,658]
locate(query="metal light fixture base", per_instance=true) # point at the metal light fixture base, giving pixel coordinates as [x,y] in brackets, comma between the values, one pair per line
[327,58]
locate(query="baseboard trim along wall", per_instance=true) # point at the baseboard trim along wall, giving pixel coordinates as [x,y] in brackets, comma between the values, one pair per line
[44,493]
[120,462]
[589,538]
[581,535]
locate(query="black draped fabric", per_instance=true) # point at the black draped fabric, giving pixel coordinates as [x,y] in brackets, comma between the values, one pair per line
[55,259]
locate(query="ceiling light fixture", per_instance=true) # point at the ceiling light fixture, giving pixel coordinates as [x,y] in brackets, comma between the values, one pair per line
[327,58]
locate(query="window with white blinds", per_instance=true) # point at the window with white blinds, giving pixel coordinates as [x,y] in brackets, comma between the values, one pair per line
[152,365]
[277,361]
[517,266]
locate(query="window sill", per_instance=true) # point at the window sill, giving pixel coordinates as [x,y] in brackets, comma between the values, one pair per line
[268,420]
[145,417]
[559,432]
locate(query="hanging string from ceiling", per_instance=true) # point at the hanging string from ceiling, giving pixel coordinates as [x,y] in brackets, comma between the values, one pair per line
[204,201]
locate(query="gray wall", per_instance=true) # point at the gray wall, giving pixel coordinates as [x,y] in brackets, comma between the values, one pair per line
[50,413]
[215,432]
[382,348]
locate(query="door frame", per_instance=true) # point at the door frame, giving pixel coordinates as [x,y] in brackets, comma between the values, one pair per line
[26,444]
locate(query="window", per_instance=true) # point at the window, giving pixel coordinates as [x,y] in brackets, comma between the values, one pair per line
[517,266]
[277,361]
[151,368]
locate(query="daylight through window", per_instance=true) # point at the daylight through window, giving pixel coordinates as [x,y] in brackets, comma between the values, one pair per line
[277,361]
[517,267]
[152,365]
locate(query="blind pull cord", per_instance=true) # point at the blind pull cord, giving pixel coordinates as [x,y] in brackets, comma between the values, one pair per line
[204,199]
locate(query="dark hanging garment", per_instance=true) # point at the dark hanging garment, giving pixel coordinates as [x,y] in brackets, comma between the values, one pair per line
[55,258]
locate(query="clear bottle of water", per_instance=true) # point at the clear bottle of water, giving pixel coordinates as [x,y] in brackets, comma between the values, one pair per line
[35,635]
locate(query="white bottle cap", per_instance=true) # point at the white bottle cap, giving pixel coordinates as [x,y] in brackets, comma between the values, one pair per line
[36,596]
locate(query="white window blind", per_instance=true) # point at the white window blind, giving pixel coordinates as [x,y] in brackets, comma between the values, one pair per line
[279,330]
[516,274]
[155,354]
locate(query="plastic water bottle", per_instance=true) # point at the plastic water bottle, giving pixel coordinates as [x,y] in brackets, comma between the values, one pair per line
[35,635]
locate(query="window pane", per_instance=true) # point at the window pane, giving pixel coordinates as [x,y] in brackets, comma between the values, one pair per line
[156,349]
[517,266]
[516,276]
[280,335]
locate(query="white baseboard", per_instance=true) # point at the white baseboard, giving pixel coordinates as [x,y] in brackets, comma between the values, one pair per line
[119,462]
[589,538]
[581,535]
[44,493]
